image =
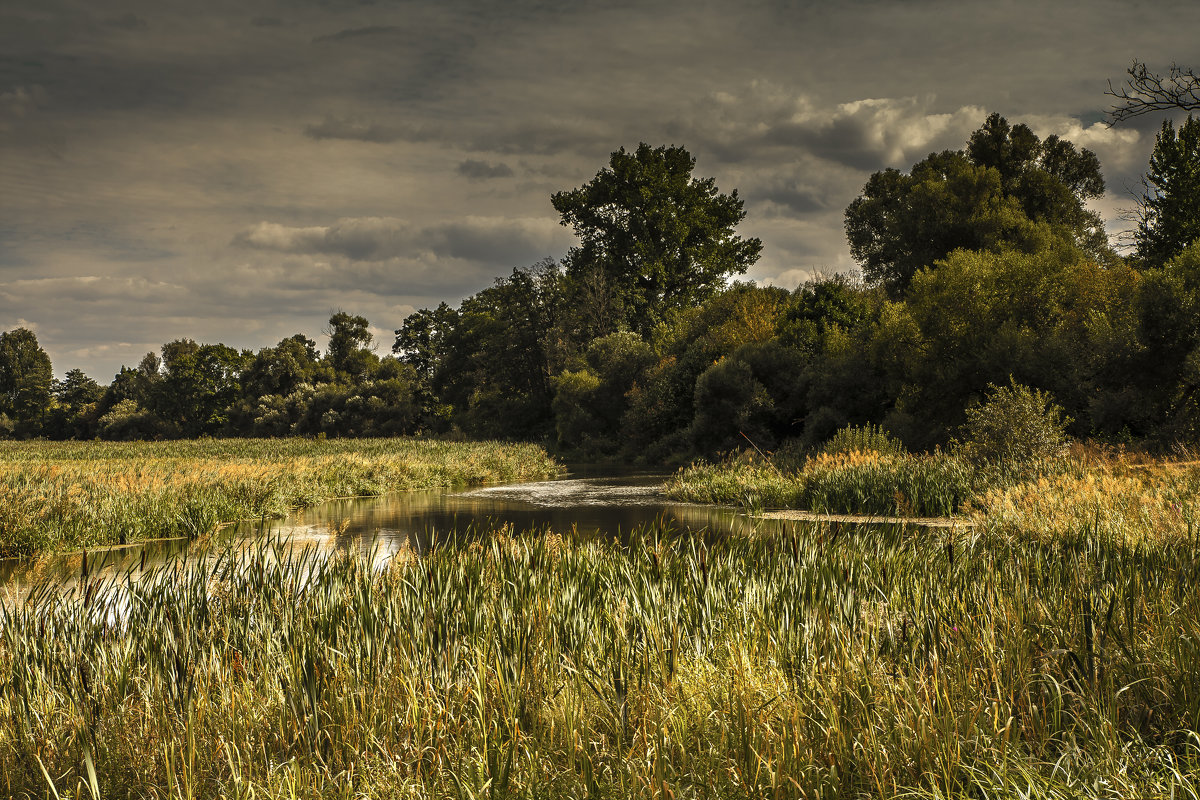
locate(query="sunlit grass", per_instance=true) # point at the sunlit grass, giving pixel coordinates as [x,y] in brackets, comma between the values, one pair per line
[889,663]
[1142,503]
[856,482]
[56,496]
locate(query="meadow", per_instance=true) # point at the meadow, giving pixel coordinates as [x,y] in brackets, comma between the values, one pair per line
[68,495]
[832,663]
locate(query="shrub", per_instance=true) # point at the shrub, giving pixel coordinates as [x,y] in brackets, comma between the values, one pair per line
[1014,429]
[867,439]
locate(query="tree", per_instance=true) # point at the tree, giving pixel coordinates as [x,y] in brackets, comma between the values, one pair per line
[76,395]
[281,369]
[25,376]
[350,346]
[1145,92]
[200,384]
[1169,211]
[1007,188]
[654,236]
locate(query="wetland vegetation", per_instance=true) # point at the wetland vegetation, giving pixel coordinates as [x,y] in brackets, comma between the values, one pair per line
[71,495]
[828,663]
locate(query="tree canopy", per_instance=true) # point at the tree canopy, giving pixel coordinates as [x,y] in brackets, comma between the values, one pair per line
[1169,210]
[1008,188]
[25,375]
[654,236]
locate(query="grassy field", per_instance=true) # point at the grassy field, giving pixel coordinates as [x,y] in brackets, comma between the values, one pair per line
[829,664]
[1114,496]
[61,496]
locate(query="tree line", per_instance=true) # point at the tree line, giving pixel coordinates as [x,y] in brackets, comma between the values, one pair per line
[979,266]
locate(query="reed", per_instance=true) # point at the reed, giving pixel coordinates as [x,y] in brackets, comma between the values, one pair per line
[854,482]
[61,496]
[827,664]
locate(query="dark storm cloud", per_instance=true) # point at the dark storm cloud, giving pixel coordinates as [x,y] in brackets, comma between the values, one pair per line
[232,174]
[484,170]
[354,130]
[370,31]
[128,22]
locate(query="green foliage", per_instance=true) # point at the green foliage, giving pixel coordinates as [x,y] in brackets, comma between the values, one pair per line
[350,346]
[658,239]
[199,384]
[730,406]
[865,439]
[1013,429]
[817,307]
[1169,211]
[575,421]
[1007,188]
[26,378]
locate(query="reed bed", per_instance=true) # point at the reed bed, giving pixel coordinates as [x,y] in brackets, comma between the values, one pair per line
[1140,503]
[825,664]
[856,482]
[61,496]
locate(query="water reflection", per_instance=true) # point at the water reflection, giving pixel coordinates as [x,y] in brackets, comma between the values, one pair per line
[586,503]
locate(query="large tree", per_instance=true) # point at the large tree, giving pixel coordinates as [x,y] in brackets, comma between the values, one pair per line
[1008,188]
[1169,210]
[654,236]
[25,376]
[350,352]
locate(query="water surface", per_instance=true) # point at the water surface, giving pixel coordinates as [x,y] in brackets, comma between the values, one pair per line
[589,502]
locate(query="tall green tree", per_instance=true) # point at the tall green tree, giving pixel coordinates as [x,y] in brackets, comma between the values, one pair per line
[350,346]
[25,376]
[1008,188]
[200,384]
[1169,210]
[654,237]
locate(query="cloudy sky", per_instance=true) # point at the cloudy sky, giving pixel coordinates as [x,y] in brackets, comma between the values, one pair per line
[235,171]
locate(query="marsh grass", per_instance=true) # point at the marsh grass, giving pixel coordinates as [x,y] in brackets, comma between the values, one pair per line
[854,482]
[824,664]
[1135,501]
[68,495]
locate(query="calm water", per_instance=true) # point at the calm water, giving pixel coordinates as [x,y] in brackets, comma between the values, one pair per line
[591,502]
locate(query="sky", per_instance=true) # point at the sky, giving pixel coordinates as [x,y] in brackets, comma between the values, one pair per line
[235,172]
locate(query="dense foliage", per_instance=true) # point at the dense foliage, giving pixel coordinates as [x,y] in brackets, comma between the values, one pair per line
[982,267]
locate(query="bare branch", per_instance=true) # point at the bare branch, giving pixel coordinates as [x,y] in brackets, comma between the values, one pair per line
[1146,92]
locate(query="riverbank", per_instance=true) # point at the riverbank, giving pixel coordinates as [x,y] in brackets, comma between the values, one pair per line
[69,495]
[891,663]
[1131,499]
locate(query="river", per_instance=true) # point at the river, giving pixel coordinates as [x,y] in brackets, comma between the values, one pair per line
[589,501]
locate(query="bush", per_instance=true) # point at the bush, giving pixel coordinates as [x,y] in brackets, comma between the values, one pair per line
[1014,429]
[867,439]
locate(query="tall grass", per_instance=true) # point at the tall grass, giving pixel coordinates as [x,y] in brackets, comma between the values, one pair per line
[856,482]
[56,496]
[823,664]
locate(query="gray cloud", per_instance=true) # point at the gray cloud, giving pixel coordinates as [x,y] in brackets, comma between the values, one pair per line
[484,170]
[488,240]
[354,130]
[370,31]
[128,22]
[232,177]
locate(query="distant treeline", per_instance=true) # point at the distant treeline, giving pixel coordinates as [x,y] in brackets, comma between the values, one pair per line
[979,266]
